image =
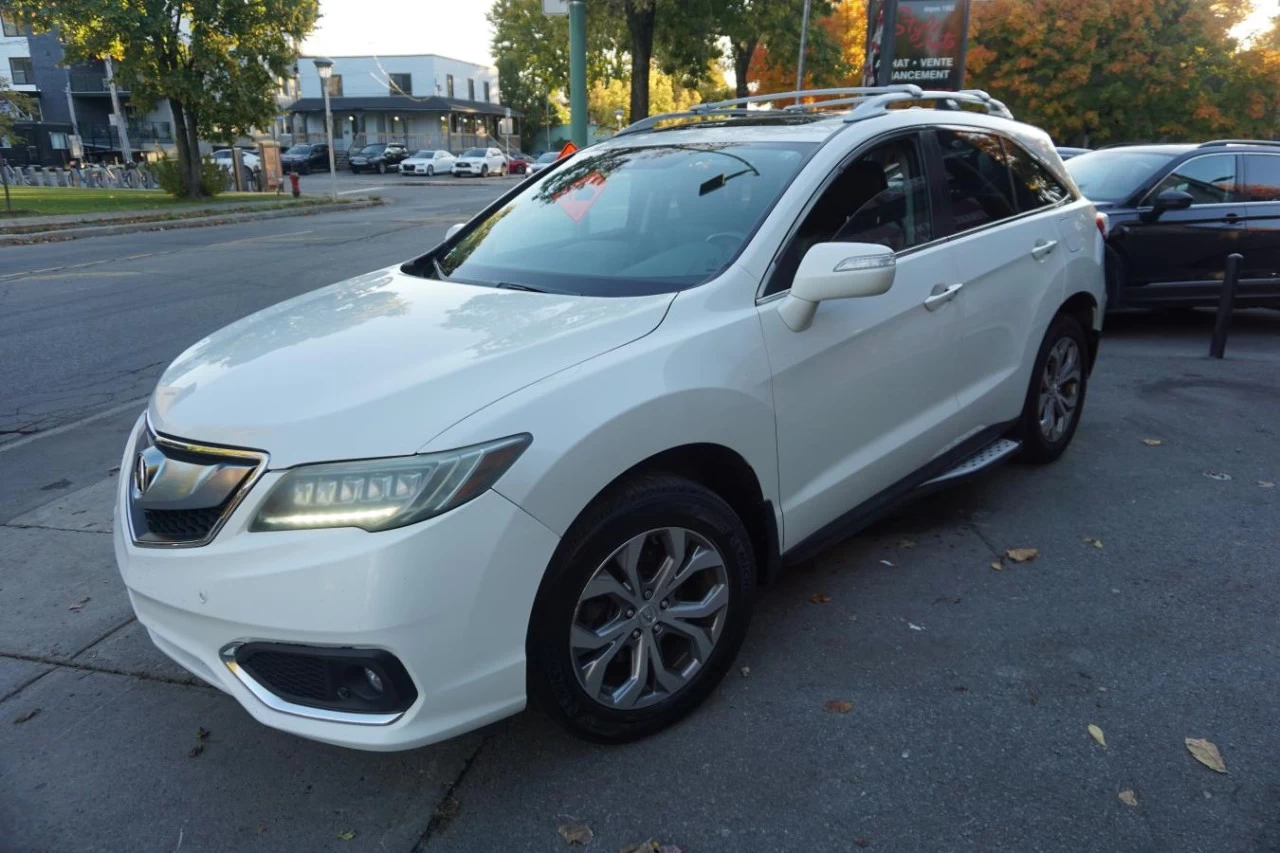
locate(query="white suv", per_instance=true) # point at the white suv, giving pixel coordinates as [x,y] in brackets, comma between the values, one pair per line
[557,454]
[480,161]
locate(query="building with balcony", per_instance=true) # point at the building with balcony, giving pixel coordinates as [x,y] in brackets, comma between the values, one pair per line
[423,101]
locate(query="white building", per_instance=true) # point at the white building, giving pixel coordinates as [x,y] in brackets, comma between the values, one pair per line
[423,100]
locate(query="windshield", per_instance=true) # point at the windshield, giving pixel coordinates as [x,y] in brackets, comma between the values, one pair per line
[475,152]
[423,155]
[549,157]
[372,149]
[628,221]
[299,149]
[1113,175]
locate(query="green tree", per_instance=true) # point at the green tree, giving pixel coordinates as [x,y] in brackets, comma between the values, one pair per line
[774,27]
[216,61]
[13,107]
[680,36]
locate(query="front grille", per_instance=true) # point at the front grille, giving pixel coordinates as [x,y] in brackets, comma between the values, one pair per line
[291,675]
[178,525]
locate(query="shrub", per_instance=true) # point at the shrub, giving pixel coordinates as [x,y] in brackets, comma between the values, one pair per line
[172,180]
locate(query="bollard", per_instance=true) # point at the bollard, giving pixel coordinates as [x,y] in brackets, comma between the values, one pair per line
[1226,304]
[293,184]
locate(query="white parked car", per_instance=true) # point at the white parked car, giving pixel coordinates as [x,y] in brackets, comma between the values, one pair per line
[558,453]
[428,162]
[480,161]
[223,158]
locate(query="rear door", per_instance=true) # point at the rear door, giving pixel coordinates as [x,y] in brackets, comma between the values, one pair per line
[1010,255]
[1184,252]
[1260,271]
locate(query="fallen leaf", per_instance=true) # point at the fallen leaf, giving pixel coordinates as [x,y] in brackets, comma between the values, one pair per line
[819,598]
[1035,700]
[838,706]
[261,829]
[1097,735]
[1206,753]
[576,833]
[196,750]
[1153,442]
[79,605]
[906,543]
[960,688]
[1208,796]
[1266,484]
[1217,475]
[1102,690]
[862,842]
[346,835]
[1097,543]
[26,715]
[998,566]
[914,627]
[887,563]
[201,733]
[1022,555]
[746,672]
[1128,798]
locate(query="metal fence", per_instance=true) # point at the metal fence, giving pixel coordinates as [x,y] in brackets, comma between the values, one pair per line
[109,177]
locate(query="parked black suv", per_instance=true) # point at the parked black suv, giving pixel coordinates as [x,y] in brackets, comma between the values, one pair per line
[1177,211]
[379,157]
[303,158]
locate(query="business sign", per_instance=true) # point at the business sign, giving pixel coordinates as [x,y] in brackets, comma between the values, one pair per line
[917,41]
[555,7]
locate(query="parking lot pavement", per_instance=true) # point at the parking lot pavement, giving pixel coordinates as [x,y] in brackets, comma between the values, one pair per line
[971,688]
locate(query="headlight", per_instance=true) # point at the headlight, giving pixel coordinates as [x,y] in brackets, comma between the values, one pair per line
[379,494]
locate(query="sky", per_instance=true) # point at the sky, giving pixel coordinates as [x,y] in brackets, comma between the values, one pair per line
[458,28]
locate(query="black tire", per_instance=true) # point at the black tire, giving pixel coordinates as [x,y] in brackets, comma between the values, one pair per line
[484,170]
[382,168]
[631,508]
[431,171]
[1037,448]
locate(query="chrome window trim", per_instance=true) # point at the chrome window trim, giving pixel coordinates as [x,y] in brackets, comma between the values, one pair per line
[261,458]
[275,703]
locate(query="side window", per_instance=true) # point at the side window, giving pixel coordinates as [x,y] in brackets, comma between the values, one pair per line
[979,183]
[1209,180]
[1261,177]
[882,197]
[1034,186]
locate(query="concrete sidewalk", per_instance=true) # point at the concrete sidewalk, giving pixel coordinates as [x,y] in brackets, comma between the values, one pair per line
[972,688]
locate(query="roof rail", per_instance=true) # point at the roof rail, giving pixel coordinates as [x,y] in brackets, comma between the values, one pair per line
[1214,142]
[867,101]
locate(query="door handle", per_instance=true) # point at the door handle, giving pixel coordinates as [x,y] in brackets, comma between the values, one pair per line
[1043,248]
[941,295]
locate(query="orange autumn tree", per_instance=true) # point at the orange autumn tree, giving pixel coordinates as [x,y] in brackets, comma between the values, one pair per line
[1097,71]
[834,56]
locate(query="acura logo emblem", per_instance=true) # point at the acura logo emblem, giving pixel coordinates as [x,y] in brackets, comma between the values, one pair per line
[145,469]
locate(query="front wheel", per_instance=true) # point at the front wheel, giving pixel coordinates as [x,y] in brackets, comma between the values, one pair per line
[642,611]
[1055,398]
[382,168]
[431,171]
[484,171]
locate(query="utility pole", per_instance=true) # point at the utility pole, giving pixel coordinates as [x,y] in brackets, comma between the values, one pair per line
[804,45]
[578,72]
[121,127]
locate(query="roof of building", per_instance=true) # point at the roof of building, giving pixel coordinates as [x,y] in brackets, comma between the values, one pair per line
[400,103]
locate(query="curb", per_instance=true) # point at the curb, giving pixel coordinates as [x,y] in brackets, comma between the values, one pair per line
[62,234]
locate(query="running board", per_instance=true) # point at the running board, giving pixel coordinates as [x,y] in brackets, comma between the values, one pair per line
[1000,450]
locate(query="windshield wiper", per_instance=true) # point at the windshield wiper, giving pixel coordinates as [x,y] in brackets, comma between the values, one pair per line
[511,285]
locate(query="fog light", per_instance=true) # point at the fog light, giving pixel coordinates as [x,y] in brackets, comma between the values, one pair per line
[374,681]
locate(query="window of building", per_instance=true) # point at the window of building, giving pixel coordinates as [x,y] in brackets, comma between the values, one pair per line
[401,84]
[487,99]
[448,85]
[979,183]
[58,141]
[335,86]
[1209,180]
[20,71]
[9,23]
[471,90]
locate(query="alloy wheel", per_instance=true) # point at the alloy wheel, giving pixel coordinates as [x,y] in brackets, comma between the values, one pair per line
[1060,389]
[649,618]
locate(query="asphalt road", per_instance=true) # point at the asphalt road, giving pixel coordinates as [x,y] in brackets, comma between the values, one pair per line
[971,688]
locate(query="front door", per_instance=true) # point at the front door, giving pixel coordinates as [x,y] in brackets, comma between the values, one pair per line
[865,396]
[1184,248]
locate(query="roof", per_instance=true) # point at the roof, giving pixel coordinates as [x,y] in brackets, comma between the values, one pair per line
[400,103]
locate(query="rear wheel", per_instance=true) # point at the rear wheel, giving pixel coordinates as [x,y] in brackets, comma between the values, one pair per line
[642,611]
[1055,398]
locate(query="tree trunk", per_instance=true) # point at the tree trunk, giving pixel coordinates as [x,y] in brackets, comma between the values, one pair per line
[188,151]
[742,53]
[640,16]
[193,148]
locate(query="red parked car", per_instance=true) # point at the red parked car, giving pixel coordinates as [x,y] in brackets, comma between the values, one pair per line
[518,163]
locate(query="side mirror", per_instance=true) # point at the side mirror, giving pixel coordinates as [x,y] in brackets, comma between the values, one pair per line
[836,271]
[1170,200]
[453,229]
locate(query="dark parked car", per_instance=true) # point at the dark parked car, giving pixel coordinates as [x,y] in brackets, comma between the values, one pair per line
[303,158]
[1177,211]
[379,157]
[1066,152]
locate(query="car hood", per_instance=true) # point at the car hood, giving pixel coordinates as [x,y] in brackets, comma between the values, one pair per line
[381,364]
[469,160]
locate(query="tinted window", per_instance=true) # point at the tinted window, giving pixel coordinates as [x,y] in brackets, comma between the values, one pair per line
[1034,186]
[1116,174]
[1261,177]
[628,221]
[979,184]
[1209,180]
[882,197]
[299,150]
[373,149]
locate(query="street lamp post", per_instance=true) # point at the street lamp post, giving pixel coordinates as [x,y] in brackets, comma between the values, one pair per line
[324,67]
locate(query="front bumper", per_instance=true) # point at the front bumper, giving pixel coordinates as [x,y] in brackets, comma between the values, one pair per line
[450,597]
